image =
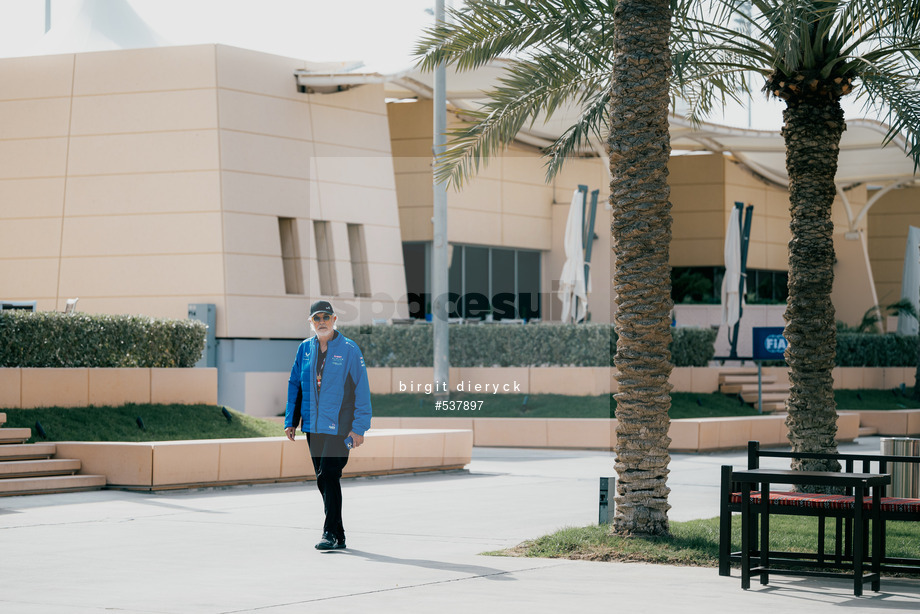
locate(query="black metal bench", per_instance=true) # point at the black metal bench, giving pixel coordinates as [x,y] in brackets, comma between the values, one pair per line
[823,506]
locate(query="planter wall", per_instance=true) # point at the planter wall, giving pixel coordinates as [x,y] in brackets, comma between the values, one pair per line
[691,435]
[78,387]
[163,465]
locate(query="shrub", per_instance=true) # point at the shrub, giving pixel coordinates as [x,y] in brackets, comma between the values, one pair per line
[692,347]
[865,350]
[496,345]
[53,339]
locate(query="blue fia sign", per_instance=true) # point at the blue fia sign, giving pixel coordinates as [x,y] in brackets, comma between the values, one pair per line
[769,343]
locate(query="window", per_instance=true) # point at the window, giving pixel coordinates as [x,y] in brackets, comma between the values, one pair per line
[290,255]
[528,284]
[704,285]
[359,271]
[497,281]
[322,231]
[474,294]
[504,295]
[415,257]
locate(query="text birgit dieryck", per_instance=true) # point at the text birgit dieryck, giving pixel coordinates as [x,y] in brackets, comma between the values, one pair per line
[466,386]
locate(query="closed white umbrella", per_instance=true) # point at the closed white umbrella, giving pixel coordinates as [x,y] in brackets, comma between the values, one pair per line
[572,291]
[910,282]
[731,298]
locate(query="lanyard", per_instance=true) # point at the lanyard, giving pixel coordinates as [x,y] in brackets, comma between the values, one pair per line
[320,363]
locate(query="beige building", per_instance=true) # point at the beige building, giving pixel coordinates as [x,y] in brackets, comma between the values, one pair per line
[143,181]
[506,225]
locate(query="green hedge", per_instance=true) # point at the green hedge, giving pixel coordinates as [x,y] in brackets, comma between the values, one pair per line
[692,347]
[496,345]
[865,350]
[54,339]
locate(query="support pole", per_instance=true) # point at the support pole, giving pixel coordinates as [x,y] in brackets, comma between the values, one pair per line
[439,268]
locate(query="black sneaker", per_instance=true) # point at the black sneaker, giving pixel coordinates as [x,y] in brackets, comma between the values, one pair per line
[328,542]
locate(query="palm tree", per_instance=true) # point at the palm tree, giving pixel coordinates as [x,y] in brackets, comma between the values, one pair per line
[810,55]
[620,79]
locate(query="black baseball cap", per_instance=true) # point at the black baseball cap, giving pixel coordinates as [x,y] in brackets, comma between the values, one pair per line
[321,307]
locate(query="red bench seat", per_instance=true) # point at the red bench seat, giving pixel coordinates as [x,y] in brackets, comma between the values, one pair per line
[831,502]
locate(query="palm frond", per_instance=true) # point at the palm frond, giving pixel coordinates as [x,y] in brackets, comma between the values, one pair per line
[901,99]
[590,124]
[483,30]
[564,47]
[530,89]
[700,41]
[901,17]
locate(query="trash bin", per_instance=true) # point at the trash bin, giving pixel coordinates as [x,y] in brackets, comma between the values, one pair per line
[905,477]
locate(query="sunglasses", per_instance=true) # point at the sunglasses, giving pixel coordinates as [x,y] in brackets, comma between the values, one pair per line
[322,317]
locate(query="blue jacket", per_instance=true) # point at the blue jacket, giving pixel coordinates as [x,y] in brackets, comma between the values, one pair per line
[344,400]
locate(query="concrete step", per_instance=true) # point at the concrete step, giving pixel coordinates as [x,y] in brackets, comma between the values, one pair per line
[745,379]
[26,451]
[2,419]
[739,371]
[14,435]
[49,466]
[867,431]
[742,388]
[773,407]
[51,484]
[768,397]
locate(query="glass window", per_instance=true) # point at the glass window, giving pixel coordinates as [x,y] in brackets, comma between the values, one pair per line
[704,285]
[416,279]
[481,280]
[475,300]
[455,282]
[504,284]
[528,287]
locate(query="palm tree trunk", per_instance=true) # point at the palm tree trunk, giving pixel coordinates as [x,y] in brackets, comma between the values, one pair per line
[812,132]
[639,147]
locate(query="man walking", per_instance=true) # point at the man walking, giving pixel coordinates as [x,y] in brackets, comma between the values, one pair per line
[329,397]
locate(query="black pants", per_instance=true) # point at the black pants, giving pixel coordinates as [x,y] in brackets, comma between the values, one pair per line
[329,456]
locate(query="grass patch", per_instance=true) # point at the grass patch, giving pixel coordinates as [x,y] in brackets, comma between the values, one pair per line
[683,405]
[714,405]
[696,543]
[494,406]
[179,422]
[161,423]
[876,399]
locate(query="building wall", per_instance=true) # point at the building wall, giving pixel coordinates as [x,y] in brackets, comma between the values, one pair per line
[110,181]
[506,204]
[704,188]
[888,222]
[144,180]
[311,158]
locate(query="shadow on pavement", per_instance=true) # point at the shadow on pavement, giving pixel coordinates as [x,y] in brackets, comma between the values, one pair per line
[474,570]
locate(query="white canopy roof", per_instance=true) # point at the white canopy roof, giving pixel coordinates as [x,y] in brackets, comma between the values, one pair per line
[863,158]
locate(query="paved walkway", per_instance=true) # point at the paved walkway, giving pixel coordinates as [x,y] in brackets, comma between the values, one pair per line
[414,544]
